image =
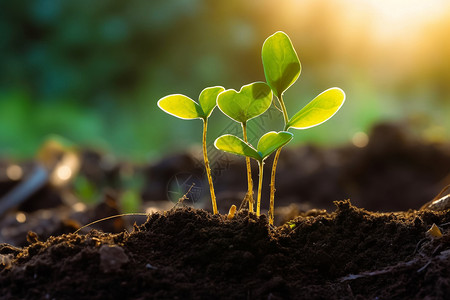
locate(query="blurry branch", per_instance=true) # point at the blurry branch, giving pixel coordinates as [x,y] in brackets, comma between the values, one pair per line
[56,164]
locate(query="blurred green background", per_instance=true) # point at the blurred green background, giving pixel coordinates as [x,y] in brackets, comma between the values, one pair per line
[92,71]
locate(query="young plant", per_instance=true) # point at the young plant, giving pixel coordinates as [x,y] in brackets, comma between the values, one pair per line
[267,144]
[282,68]
[251,101]
[185,108]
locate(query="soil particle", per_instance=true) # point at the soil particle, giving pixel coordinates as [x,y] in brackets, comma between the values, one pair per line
[112,257]
[191,254]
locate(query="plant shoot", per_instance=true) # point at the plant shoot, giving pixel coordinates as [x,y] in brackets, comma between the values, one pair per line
[185,108]
[267,144]
[251,101]
[281,69]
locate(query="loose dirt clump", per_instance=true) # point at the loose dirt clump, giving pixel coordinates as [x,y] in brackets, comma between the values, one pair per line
[191,254]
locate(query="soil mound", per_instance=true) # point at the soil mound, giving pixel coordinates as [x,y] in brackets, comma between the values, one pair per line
[188,253]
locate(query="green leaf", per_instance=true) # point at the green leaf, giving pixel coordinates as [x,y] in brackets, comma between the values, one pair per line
[233,144]
[267,144]
[251,101]
[184,107]
[208,99]
[271,141]
[281,64]
[181,107]
[319,110]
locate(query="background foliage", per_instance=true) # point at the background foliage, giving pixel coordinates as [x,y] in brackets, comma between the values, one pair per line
[93,71]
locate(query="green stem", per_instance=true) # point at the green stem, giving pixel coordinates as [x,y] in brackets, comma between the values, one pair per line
[275,162]
[283,108]
[249,195]
[208,169]
[258,204]
[272,186]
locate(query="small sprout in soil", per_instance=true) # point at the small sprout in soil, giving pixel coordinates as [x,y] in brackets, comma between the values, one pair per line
[184,197]
[251,101]
[291,224]
[434,232]
[282,68]
[185,108]
[231,212]
[267,144]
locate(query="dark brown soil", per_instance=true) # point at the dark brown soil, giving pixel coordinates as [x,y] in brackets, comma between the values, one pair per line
[187,253]
[191,254]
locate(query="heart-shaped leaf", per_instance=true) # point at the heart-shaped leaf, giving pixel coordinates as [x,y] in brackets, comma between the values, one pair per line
[208,99]
[267,144]
[281,64]
[271,141]
[319,110]
[251,101]
[184,107]
[181,107]
[232,144]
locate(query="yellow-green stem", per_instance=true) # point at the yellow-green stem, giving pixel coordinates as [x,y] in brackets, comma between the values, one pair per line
[249,195]
[208,169]
[272,187]
[283,109]
[275,162]
[258,203]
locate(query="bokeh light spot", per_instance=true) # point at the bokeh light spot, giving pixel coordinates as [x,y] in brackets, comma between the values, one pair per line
[14,172]
[360,139]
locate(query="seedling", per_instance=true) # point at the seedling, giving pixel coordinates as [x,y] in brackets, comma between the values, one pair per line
[231,212]
[267,144]
[251,101]
[185,108]
[282,68]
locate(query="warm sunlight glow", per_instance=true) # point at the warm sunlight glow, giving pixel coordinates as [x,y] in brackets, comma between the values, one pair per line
[64,172]
[386,17]
[406,11]
[394,17]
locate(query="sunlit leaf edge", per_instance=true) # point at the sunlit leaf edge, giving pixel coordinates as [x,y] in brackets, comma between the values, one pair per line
[237,92]
[291,123]
[268,79]
[207,114]
[199,110]
[266,154]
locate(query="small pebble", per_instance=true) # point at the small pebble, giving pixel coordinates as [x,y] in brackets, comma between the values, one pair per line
[150,267]
[112,257]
